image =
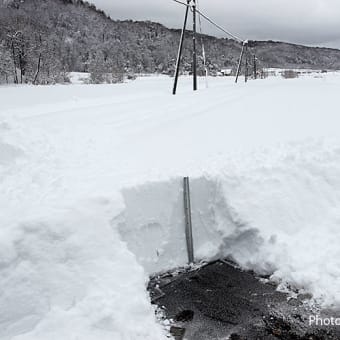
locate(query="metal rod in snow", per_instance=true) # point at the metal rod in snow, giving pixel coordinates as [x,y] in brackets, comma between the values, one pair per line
[180,49]
[194,62]
[240,63]
[188,223]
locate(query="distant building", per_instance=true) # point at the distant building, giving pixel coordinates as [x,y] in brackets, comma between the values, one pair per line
[226,72]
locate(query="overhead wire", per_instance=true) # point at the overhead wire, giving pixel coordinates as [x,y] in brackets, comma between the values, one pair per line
[244,42]
[201,14]
[221,28]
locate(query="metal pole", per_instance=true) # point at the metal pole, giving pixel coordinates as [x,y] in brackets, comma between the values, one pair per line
[246,71]
[194,63]
[188,223]
[239,63]
[180,49]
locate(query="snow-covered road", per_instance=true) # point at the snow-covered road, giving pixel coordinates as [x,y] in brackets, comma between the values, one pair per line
[90,199]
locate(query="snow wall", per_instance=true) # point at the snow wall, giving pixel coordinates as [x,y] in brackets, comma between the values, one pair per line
[64,271]
[153,223]
[72,278]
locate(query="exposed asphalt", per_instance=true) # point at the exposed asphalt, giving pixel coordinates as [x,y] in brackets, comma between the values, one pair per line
[220,301]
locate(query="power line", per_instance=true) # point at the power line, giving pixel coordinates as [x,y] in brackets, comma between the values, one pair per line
[212,22]
[220,27]
[193,5]
[182,3]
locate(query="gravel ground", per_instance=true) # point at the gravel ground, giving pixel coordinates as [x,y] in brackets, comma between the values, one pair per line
[220,301]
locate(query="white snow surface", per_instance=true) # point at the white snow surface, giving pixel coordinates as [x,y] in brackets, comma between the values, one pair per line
[91,195]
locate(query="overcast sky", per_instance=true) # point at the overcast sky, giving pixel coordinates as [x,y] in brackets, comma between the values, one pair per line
[312,22]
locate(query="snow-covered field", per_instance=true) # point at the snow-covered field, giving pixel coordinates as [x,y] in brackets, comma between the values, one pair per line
[91,195]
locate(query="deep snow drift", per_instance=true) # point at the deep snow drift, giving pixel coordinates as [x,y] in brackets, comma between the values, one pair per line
[91,195]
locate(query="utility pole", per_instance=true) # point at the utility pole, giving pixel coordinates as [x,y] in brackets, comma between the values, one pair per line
[194,62]
[240,62]
[246,71]
[180,49]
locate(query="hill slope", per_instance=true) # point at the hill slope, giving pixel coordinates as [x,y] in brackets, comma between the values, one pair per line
[48,38]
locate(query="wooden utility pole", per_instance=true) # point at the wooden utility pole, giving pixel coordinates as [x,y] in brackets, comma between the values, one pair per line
[37,71]
[194,62]
[15,74]
[246,73]
[180,49]
[240,63]
[39,63]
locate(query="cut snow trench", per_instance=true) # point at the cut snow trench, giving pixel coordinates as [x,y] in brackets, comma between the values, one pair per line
[276,217]
[152,224]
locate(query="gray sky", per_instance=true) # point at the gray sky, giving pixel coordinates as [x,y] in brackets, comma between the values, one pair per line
[311,22]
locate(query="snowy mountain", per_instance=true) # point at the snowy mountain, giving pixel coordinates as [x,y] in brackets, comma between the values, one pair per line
[51,37]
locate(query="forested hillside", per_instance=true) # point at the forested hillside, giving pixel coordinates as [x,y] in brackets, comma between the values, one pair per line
[42,40]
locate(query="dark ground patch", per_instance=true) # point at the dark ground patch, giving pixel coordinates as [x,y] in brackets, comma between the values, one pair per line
[220,301]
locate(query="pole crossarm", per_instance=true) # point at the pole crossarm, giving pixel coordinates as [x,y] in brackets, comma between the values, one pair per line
[211,21]
[182,3]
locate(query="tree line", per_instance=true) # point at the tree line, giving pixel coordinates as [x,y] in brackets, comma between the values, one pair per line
[41,41]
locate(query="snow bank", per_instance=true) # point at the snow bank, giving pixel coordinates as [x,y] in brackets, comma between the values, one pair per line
[8,152]
[71,278]
[291,197]
[64,271]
